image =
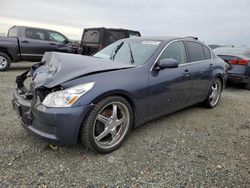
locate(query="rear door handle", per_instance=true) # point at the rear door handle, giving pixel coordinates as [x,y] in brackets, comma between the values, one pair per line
[25,41]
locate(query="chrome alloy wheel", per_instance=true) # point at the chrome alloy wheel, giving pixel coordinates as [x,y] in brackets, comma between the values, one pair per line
[3,62]
[111,125]
[215,92]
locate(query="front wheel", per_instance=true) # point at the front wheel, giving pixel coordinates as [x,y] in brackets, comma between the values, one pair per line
[214,93]
[107,125]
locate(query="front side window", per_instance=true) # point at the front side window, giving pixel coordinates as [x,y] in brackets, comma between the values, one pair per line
[36,34]
[175,50]
[56,37]
[135,52]
[196,52]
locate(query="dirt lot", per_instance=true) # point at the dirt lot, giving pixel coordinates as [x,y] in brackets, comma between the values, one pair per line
[196,147]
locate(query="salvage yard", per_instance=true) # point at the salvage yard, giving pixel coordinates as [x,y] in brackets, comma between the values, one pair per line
[195,147]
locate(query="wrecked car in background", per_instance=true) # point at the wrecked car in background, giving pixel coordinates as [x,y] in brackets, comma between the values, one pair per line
[95,39]
[98,99]
[29,44]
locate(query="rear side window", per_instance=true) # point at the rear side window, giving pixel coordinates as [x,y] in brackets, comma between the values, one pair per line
[91,36]
[35,34]
[175,50]
[196,52]
[115,35]
[12,32]
[207,52]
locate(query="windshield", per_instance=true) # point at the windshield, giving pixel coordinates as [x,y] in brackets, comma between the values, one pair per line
[135,52]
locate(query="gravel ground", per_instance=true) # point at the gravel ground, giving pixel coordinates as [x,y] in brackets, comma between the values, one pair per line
[195,147]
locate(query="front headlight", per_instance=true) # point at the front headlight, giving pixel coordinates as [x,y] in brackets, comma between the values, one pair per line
[67,97]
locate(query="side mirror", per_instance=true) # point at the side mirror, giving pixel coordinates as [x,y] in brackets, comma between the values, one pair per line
[168,63]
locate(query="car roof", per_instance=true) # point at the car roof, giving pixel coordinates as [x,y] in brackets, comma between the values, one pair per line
[30,27]
[116,29]
[163,38]
[229,50]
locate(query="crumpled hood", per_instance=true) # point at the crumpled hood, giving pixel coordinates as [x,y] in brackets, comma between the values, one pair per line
[62,67]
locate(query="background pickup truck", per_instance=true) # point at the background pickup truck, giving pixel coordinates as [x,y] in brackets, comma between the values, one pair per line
[29,44]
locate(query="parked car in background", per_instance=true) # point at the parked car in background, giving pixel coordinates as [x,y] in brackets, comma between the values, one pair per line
[99,99]
[238,59]
[29,44]
[214,46]
[94,39]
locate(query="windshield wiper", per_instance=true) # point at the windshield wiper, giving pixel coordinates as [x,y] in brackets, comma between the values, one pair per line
[116,50]
[131,54]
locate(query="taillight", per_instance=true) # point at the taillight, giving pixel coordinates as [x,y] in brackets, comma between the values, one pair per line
[239,61]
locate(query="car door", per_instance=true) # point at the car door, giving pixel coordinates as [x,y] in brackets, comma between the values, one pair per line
[200,67]
[170,88]
[34,44]
[58,42]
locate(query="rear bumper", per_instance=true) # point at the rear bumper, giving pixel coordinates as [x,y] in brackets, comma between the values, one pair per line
[238,79]
[59,126]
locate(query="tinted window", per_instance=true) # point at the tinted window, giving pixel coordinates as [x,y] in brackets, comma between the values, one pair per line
[196,52]
[12,32]
[57,37]
[207,52]
[92,36]
[115,35]
[35,34]
[175,50]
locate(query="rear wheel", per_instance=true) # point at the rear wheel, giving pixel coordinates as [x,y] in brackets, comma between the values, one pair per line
[107,125]
[214,93]
[4,61]
[247,86]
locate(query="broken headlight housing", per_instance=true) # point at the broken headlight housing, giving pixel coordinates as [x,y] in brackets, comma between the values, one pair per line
[67,97]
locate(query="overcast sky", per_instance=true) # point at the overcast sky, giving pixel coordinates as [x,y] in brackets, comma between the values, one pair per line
[214,21]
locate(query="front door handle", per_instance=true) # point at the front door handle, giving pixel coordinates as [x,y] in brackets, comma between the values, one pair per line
[52,43]
[186,73]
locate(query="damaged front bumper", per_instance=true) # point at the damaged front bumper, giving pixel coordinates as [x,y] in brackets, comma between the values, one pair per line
[59,126]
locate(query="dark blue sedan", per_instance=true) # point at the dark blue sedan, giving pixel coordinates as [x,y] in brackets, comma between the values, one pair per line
[99,99]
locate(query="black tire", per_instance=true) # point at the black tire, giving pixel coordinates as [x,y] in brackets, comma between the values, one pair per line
[4,61]
[209,103]
[92,124]
[247,86]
